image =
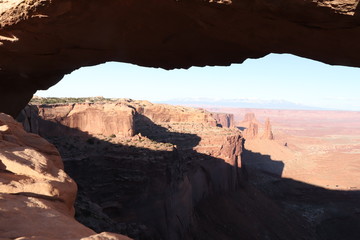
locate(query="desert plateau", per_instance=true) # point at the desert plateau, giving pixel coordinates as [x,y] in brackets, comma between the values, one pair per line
[316,147]
[157,171]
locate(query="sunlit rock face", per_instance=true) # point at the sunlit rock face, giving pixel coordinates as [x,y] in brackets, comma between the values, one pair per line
[41,40]
[106,119]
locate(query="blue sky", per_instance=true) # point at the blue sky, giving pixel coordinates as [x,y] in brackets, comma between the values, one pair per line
[274,77]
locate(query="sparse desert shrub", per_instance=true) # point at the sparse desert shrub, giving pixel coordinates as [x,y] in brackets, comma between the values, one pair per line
[55,100]
[112,136]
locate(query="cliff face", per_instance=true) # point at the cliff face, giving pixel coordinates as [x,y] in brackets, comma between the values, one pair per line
[105,118]
[162,113]
[91,118]
[41,40]
[125,118]
[225,120]
[146,184]
[36,195]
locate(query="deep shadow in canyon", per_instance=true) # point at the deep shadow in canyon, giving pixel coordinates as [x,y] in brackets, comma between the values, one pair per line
[142,193]
[182,194]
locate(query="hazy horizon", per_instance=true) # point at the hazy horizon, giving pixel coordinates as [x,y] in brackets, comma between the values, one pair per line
[277,78]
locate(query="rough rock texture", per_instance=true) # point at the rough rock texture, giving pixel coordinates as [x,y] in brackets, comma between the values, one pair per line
[91,118]
[252,131]
[267,134]
[41,40]
[225,120]
[36,195]
[126,117]
[162,113]
[106,119]
[147,185]
[29,119]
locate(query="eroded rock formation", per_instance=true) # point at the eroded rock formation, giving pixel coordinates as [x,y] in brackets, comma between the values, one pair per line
[36,195]
[146,185]
[225,120]
[252,131]
[267,134]
[252,128]
[41,40]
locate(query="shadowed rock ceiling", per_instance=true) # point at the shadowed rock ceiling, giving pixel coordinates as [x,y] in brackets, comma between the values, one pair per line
[41,40]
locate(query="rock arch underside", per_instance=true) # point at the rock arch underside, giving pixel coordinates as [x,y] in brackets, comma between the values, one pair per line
[41,40]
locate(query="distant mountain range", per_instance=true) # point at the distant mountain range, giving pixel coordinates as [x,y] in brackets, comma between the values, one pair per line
[240,103]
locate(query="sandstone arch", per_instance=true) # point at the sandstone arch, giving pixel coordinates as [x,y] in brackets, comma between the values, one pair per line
[41,40]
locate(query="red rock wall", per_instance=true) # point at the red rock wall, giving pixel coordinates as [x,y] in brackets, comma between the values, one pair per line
[90,118]
[162,113]
[225,120]
[206,160]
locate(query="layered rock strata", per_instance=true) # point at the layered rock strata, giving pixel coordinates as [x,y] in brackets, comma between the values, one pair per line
[147,185]
[106,119]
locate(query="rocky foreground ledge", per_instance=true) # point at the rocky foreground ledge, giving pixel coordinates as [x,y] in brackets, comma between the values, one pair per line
[36,195]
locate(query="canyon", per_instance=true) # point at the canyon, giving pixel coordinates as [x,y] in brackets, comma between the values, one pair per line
[141,168]
[171,172]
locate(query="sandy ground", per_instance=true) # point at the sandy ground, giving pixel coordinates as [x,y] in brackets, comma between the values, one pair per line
[322,147]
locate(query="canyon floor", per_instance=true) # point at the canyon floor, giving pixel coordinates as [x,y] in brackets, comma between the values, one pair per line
[312,166]
[322,147]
